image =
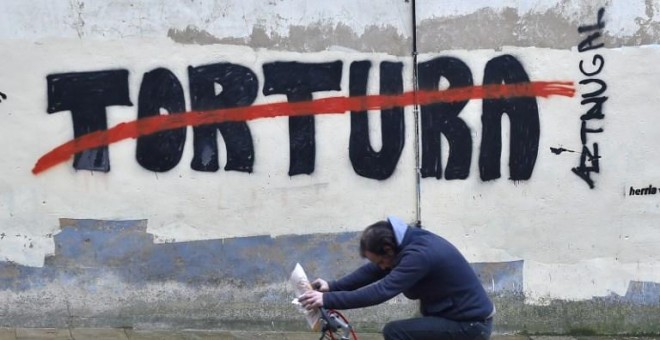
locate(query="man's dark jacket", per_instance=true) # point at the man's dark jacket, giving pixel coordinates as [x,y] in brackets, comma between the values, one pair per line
[427,267]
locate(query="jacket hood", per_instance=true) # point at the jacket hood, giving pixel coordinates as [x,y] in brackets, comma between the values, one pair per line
[399,228]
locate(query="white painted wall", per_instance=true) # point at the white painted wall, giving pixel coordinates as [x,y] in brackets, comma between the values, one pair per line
[568,235]
[181,204]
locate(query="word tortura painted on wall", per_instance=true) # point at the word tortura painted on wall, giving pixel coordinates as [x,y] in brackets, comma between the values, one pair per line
[506,90]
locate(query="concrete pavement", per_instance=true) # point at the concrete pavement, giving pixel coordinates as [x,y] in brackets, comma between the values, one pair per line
[124,334]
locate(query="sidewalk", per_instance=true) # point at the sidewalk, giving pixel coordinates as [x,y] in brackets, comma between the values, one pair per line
[114,334]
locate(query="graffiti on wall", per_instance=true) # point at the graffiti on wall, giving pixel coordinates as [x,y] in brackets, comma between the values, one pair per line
[2,97]
[595,98]
[642,191]
[223,99]
[590,67]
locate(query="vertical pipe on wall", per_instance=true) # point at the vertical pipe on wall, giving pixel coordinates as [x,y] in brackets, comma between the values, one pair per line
[418,202]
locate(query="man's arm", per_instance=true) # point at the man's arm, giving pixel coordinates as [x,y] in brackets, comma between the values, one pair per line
[412,267]
[361,277]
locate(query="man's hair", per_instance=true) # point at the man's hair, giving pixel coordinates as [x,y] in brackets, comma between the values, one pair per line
[376,237]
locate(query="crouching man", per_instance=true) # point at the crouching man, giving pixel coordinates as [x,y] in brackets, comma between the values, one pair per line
[421,265]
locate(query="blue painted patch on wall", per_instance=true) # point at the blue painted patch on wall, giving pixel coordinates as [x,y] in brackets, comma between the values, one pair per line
[88,249]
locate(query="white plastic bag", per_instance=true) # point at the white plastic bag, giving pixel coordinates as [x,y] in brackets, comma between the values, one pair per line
[300,285]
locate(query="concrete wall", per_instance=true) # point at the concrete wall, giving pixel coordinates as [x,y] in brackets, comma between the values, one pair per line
[121,205]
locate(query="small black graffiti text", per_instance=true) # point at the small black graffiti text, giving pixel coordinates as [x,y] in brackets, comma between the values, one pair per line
[2,97]
[650,190]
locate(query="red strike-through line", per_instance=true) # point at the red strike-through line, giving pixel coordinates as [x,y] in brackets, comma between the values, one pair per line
[333,105]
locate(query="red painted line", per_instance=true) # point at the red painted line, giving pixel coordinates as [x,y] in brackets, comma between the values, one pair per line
[333,105]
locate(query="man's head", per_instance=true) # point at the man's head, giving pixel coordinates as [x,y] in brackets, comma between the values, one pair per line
[378,244]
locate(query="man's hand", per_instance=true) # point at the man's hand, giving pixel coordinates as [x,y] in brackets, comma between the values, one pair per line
[311,299]
[321,285]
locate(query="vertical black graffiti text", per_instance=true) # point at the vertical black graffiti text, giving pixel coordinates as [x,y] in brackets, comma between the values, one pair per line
[593,97]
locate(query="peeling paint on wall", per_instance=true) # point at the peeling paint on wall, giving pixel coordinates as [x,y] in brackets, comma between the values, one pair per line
[312,38]
[101,267]
[85,249]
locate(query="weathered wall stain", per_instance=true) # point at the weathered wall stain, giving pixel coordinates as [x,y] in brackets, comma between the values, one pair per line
[552,28]
[194,35]
[312,38]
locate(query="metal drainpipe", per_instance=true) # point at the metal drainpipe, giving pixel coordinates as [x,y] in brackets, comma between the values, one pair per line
[418,176]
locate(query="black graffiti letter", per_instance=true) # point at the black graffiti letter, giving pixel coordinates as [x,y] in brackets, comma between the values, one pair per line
[599,25]
[367,162]
[237,86]
[86,95]
[160,151]
[584,171]
[442,118]
[596,59]
[588,43]
[298,81]
[523,116]
[596,111]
